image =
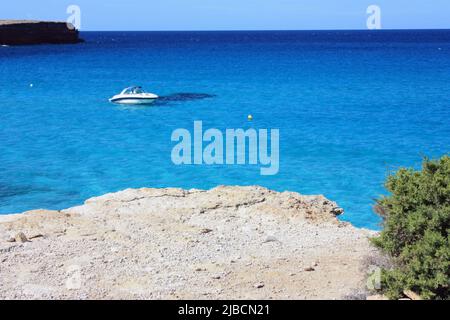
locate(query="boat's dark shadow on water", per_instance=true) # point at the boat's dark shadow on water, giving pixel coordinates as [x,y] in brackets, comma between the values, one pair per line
[181,97]
[171,99]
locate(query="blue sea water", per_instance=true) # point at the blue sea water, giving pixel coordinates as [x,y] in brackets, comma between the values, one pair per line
[351,106]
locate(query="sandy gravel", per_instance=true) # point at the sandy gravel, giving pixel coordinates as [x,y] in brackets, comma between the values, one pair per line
[226,243]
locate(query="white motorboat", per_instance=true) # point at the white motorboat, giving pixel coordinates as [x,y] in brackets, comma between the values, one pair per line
[134,95]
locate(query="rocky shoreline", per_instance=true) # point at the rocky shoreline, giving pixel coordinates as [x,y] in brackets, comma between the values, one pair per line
[30,32]
[224,243]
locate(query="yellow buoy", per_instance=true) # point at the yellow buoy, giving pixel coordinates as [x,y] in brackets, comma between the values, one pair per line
[250,117]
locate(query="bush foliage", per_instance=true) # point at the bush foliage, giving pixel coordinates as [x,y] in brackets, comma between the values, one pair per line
[416,221]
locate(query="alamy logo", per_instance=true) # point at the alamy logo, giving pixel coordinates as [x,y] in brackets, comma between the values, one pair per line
[211,148]
[73,281]
[374,19]
[74,20]
[374,279]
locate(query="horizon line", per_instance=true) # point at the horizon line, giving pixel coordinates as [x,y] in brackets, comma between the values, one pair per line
[274,30]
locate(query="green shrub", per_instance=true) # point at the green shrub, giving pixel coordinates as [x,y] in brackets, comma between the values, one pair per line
[416,221]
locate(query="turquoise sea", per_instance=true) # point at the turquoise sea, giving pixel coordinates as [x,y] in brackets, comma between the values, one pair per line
[351,106]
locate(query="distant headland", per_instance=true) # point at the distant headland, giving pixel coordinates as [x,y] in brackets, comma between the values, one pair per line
[27,32]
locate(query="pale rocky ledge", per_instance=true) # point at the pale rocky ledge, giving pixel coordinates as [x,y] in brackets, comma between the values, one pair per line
[226,243]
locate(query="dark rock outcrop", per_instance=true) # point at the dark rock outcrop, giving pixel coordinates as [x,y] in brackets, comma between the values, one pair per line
[24,32]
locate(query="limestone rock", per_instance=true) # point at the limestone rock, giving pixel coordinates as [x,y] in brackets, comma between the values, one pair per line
[27,32]
[21,237]
[166,243]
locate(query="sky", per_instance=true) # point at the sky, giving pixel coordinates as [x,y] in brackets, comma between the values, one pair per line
[102,15]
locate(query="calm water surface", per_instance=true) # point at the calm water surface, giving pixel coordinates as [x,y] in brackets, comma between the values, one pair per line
[350,107]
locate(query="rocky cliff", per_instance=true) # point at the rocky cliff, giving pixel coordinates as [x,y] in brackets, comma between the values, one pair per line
[25,32]
[228,243]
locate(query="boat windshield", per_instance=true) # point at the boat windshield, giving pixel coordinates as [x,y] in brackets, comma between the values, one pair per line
[133,90]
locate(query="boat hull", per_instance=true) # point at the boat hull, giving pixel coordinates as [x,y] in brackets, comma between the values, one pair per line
[128,96]
[133,100]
